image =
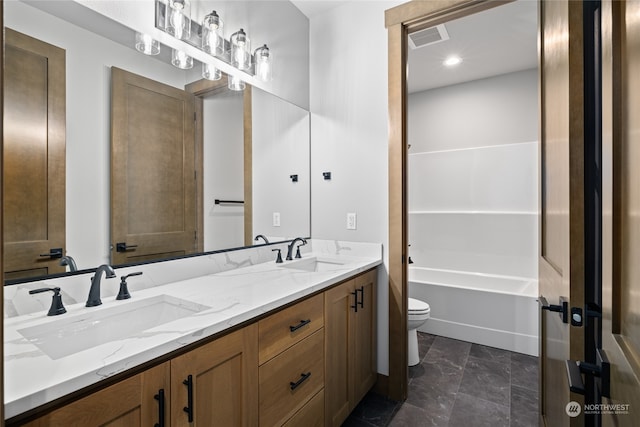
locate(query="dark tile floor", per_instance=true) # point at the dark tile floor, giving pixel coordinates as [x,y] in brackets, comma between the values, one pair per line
[459,384]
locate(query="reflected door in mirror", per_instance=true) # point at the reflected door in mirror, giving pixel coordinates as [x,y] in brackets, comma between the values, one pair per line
[34,157]
[153,183]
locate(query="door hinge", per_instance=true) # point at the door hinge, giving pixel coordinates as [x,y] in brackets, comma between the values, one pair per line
[194,117]
[195,235]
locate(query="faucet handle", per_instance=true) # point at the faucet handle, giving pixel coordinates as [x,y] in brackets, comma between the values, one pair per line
[298,250]
[124,291]
[279,257]
[56,302]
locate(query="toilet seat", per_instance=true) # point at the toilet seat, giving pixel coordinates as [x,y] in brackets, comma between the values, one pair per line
[417,307]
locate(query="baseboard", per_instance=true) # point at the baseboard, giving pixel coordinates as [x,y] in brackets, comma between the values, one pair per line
[520,343]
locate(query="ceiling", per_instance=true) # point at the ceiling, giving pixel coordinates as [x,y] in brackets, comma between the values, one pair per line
[312,8]
[497,41]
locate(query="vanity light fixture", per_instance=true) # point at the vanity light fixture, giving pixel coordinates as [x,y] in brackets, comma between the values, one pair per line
[240,50]
[181,60]
[210,72]
[236,83]
[213,34]
[263,61]
[452,61]
[178,19]
[146,44]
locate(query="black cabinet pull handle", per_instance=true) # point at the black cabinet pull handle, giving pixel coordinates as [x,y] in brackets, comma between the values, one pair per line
[361,296]
[355,306]
[299,325]
[189,408]
[160,398]
[303,378]
[54,253]
[123,247]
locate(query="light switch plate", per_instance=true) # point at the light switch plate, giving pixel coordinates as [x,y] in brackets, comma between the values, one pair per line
[276,219]
[351,221]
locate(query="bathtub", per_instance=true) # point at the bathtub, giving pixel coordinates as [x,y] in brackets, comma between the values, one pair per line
[497,311]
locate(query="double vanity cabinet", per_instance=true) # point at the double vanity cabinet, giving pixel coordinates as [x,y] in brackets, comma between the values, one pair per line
[307,364]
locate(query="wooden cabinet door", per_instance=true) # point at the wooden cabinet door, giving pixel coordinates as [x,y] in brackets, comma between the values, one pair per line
[350,340]
[153,180]
[34,156]
[224,382]
[338,326]
[129,403]
[364,339]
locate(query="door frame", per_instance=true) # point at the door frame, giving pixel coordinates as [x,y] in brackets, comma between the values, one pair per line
[400,21]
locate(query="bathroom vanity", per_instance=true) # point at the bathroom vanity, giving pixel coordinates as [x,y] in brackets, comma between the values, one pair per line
[269,344]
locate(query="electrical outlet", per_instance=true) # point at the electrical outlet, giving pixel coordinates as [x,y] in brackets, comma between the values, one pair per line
[351,221]
[276,219]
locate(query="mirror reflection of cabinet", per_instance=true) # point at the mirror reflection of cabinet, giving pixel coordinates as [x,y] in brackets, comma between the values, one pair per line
[34,156]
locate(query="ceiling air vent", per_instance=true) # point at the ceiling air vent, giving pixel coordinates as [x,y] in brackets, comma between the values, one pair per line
[428,36]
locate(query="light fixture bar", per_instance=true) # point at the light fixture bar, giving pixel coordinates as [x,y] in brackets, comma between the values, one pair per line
[195,38]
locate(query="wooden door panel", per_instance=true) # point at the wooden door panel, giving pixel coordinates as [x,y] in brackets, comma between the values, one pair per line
[34,155]
[365,337]
[130,402]
[621,205]
[152,169]
[225,382]
[561,262]
[337,303]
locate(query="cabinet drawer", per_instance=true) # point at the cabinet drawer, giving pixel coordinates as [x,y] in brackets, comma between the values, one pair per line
[311,414]
[290,379]
[289,326]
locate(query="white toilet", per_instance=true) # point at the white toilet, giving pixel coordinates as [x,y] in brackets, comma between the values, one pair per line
[418,314]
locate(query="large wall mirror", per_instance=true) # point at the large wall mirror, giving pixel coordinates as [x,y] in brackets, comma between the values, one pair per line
[250,165]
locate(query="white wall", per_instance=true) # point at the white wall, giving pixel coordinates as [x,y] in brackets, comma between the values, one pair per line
[281,148]
[473,192]
[223,162]
[348,69]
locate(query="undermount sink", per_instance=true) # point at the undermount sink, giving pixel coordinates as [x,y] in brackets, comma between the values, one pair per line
[314,264]
[66,336]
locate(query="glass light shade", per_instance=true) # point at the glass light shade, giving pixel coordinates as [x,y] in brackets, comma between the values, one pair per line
[213,34]
[181,60]
[263,62]
[178,19]
[236,83]
[147,45]
[210,72]
[240,50]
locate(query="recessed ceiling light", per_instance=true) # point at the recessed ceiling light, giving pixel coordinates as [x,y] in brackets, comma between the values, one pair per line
[452,61]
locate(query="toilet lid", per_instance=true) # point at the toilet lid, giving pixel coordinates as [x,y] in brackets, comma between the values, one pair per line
[417,306]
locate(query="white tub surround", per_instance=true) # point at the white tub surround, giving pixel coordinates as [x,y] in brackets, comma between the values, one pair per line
[493,310]
[231,296]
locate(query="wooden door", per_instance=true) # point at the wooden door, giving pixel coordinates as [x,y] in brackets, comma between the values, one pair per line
[364,340]
[34,156]
[561,261]
[621,204]
[153,179]
[338,324]
[130,403]
[224,382]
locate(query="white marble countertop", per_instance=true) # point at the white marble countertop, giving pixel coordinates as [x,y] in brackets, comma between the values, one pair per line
[32,377]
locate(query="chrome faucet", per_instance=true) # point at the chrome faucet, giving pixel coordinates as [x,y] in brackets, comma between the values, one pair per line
[260,236]
[292,244]
[94,292]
